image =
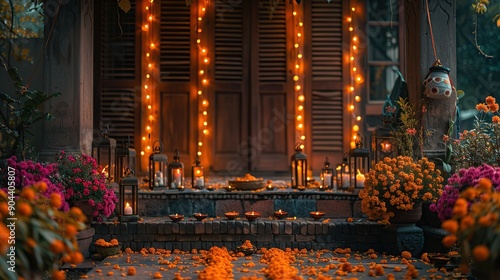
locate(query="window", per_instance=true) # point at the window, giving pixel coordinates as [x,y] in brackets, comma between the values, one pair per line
[384,50]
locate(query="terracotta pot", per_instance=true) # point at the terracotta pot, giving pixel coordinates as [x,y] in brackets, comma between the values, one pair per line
[84,239]
[407,217]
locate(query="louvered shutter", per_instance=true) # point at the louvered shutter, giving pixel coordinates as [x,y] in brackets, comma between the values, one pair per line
[117,77]
[326,78]
[177,111]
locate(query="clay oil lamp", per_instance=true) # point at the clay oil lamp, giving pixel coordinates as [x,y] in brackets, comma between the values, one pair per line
[176,217]
[200,216]
[231,215]
[316,215]
[252,215]
[280,214]
[210,188]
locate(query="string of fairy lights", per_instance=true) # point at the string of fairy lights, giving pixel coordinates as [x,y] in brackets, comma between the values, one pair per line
[147,81]
[203,64]
[298,76]
[354,87]
[356,79]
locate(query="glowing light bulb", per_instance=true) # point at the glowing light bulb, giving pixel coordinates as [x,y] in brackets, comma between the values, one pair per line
[200,92]
[152,45]
[296,45]
[300,108]
[354,69]
[299,55]
[351,88]
[203,50]
[205,131]
[355,127]
[354,39]
[150,117]
[297,66]
[203,9]
[143,138]
[204,81]
[353,9]
[148,128]
[147,76]
[142,153]
[199,153]
[202,72]
[148,148]
[295,78]
[199,30]
[348,19]
[150,18]
[301,23]
[299,34]
[205,102]
[147,96]
[198,41]
[303,137]
[297,87]
[359,79]
[358,118]
[200,143]
[351,29]
[205,123]
[352,58]
[199,18]
[357,98]
[205,113]
[146,26]
[351,107]
[299,117]
[354,47]
[301,98]
[300,126]
[149,107]
[206,60]
[302,146]
[147,54]
[294,13]
[150,65]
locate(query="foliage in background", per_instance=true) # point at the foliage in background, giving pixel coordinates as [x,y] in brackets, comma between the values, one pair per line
[481,145]
[21,20]
[44,236]
[23,110]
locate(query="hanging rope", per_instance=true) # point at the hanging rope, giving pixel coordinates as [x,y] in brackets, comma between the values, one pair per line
[430,28]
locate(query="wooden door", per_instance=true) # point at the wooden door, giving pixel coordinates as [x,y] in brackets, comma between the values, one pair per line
[252,127]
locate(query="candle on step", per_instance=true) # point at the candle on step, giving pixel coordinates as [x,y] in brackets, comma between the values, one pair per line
[128,210]
[360,180]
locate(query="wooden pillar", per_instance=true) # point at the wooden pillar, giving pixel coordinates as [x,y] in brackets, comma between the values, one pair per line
[68,68]
[420,56]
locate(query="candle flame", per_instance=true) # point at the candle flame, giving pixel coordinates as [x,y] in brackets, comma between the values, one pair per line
[127,205]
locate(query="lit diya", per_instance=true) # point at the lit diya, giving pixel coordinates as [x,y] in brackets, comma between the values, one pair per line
[252,215]
[316,215]
[231,215]
[176,217]
[200,216]
[280,214]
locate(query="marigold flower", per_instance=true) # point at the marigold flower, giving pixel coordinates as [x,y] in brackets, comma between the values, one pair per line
[58,275]
[484,183]
[57,246]
[30,242]
[493,107]
[490,100]
[131,271]
[24,209]
[76,257]
[450,226]
[481,253]
[71,230]
[481,107]
[449,240]
[28,194]
[466,222]
[4,209]
[55,200]
[4,238]
[406,254]
[495,119]
[41,186]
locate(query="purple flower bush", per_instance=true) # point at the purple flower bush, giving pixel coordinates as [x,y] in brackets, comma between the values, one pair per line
[84,180]
[29,173]
[464,178]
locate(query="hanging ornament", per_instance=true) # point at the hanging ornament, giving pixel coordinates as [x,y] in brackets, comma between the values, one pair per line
[438,82]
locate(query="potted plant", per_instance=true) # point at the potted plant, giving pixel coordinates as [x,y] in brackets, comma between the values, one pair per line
[85,182]
[399,184]
[475,226]
[460,181]
[44,235]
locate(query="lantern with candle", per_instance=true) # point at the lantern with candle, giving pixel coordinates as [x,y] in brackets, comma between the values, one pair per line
[129,186]
[359,161]
[342,173]
[158,163]
[104,152]
[197,177]
[125,160]
[327,175]
[176,172]
[299,168]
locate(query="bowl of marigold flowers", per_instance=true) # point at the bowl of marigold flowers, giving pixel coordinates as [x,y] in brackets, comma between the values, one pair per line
[106,249]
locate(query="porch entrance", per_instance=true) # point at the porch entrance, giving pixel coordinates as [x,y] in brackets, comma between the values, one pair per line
[254,117]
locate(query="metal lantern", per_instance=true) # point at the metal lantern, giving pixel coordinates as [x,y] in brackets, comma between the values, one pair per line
[104,152]
[125,160]
[129,186]
[359,162]
[197,177]
[327,175]
[176,172]
[299,168]
[383,144]
[158,164]
[342,174]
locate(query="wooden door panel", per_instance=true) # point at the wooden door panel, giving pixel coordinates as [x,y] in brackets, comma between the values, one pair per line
[175,121]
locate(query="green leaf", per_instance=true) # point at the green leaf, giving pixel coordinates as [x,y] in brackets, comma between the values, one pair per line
[446,167]
[460,93]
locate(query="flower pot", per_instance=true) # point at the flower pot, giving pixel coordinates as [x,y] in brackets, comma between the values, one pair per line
[84,239]
[407,216]
[86,208]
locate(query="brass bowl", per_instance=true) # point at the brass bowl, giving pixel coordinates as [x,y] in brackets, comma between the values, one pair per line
[200,216]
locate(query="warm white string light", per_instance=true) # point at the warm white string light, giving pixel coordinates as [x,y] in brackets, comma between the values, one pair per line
[147,81]
[298,77]
[203,81]
[355,77]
